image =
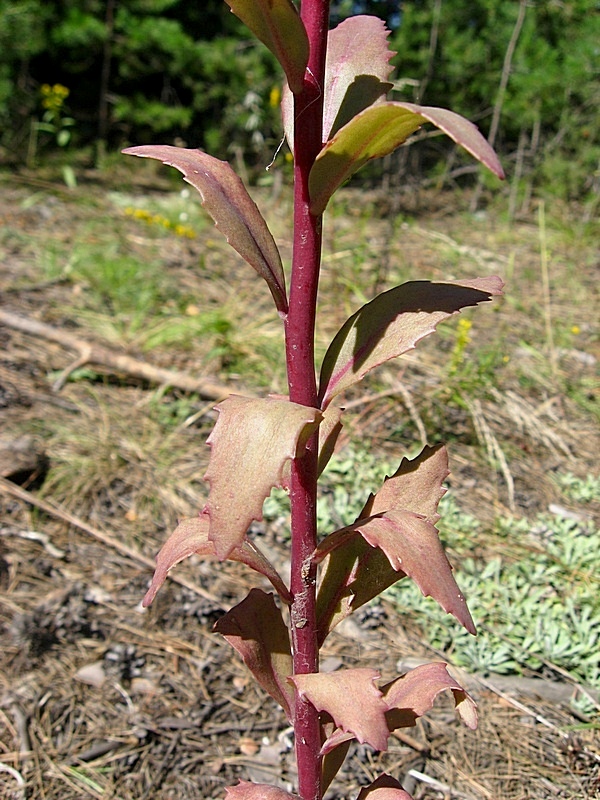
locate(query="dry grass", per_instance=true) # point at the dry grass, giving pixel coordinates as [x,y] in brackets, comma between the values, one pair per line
[169,719]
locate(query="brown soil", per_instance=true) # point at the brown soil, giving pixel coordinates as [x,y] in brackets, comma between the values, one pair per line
[101,699]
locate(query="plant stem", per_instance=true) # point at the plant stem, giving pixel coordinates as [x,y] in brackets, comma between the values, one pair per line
[300,329]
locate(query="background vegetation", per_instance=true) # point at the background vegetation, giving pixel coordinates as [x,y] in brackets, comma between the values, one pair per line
[513,391]
[146,71]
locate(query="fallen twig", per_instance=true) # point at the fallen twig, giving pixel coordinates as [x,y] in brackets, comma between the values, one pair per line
[49,508]
[91,353]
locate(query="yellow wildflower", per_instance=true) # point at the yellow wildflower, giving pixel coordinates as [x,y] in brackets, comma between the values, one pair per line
[274,96]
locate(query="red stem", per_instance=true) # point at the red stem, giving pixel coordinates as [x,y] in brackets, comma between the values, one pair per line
[300,328]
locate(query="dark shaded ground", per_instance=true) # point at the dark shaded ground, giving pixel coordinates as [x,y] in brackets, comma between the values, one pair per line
[100,699]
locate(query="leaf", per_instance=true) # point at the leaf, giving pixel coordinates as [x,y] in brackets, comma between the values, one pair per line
[354,573]
[391,325]
[417,485]
[278,25]
[333,760]
[379,130]
[463,132]
[250,445]
[352,699]
[191,536]
[393,537]
[329,431]
[356,72]
[384,788]
[257,791]
[412,546]
[255,629]
[235,214]
[413,695]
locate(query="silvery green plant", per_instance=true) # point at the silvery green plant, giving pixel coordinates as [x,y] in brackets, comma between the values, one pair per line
[336,118]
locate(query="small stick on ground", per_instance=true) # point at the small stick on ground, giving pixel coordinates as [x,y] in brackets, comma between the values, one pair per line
[8,487]
[90,353]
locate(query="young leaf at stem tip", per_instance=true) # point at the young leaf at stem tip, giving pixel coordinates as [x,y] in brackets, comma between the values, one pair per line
[250,444]
[235,213]
[357,69]
[278,25]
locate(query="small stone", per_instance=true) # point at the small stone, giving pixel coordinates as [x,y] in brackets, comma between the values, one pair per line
[248,746]
[143,686]
[92,674]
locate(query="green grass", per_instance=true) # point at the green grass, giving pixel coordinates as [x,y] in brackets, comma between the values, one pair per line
[541,609]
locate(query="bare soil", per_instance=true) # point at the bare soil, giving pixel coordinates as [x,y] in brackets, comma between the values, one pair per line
[101,699]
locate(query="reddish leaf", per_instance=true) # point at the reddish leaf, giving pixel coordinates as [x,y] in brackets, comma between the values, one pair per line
[357,70]
[258,791]
[463,132]
[255,628]
[413,695]
[377,131]
[392,324]
[412,546]
[352,699]
[329,431]
[250,445]
[356,73]
[353,574]
[235,213]
[397,538]
[278,25]
[417,485]
[333,760]
[191,536]
[384,788]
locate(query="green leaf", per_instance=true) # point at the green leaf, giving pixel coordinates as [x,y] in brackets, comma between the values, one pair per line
[278,25]
[235,214]
[391,325]
[255,628]
[251,443]
[191,537]
[377,131]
